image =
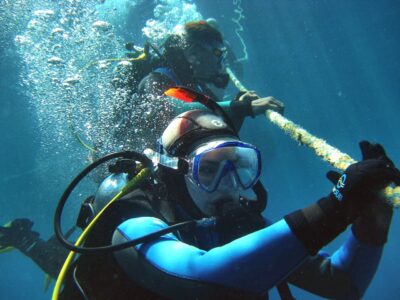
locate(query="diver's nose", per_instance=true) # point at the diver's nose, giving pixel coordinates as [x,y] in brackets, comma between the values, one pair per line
[228,182]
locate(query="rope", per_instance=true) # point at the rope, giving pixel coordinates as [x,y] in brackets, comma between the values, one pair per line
[321,148]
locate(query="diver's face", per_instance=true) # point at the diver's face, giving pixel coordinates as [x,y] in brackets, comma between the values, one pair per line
[211,204]
[226,196]
[206,59]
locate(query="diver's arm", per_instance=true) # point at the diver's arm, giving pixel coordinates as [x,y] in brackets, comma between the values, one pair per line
[344,275]
[254,263]
[48,255]
[349,271]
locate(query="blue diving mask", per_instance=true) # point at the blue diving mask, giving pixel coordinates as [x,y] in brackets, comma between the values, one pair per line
[211,162]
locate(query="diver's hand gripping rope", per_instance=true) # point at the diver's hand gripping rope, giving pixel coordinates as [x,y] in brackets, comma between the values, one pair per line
[328,153]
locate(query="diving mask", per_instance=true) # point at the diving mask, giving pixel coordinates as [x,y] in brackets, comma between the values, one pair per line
[211,162]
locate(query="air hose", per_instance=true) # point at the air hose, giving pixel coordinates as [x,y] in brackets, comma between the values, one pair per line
[321,148]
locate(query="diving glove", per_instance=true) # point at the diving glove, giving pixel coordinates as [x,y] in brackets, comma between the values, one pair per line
[19,235]
[355,191]
[372,226]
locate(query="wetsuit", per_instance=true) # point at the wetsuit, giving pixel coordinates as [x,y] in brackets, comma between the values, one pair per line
[252,264]
[235,259]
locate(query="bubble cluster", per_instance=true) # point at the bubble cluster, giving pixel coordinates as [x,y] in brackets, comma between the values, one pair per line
[169,17]
[69,90]
[70,60]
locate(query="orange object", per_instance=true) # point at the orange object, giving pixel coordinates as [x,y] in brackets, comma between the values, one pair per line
[182,94]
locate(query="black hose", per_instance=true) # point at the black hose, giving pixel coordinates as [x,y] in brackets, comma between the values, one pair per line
[110,248]
[61,203]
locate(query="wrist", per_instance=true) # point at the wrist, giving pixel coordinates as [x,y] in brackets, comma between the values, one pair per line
[318,224]
[242,108]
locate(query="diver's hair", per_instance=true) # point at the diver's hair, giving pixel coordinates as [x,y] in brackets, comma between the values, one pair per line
[203,32]
[175,44]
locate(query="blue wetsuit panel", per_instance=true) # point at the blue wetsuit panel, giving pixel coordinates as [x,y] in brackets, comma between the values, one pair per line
[255,262]
[359,260]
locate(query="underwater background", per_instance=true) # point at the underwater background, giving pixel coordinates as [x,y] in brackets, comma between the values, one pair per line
[335,65]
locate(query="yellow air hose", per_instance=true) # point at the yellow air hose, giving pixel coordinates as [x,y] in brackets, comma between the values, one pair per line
[132,184]
[142,56]
[328,153]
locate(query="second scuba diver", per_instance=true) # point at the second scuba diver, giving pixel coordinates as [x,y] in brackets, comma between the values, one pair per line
[194,59]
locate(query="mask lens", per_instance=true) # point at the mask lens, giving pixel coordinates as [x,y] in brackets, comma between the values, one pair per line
[220,54]
[247,166]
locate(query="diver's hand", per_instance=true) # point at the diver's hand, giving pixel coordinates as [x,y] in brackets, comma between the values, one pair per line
[372,226]
[260,105]
[359,186]
[18,234]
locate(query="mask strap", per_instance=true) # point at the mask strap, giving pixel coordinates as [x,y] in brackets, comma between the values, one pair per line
[262,197]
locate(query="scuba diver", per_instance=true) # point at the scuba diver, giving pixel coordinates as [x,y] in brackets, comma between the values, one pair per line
[195,59]
[203,171]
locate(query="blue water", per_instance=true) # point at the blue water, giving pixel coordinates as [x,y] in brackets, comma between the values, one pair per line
[334,64]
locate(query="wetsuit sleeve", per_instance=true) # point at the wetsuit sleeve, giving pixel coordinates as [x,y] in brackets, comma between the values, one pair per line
[48,255]
[254,263]
[344,275]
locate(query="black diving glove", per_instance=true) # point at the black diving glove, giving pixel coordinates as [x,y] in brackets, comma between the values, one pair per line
[355,190]
[372,226]
[19,235]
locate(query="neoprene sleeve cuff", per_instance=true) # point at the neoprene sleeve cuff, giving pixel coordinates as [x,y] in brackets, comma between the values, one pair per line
[241,108]
[238,110]
[318,224]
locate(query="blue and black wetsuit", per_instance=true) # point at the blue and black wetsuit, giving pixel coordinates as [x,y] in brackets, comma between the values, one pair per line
[252,264]
[212,263]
